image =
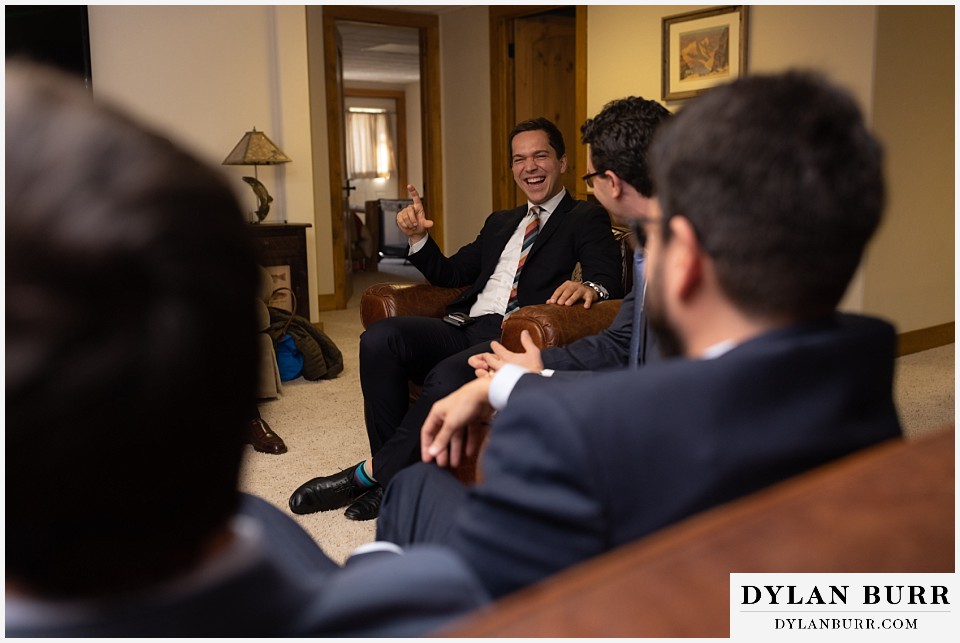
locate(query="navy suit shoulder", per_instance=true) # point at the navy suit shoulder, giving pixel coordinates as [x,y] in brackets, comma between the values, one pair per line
[294,589]
[576,468]
[406,595]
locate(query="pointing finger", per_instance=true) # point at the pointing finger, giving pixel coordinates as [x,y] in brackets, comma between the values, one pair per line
[417,204]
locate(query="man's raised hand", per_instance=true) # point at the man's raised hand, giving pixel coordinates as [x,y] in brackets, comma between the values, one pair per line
[412,220]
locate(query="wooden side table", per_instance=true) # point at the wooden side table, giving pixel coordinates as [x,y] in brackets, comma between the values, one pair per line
[285,244]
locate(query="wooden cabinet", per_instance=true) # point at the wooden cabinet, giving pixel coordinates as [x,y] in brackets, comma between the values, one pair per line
[285,244]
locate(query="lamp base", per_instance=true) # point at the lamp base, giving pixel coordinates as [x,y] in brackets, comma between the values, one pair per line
[263,198]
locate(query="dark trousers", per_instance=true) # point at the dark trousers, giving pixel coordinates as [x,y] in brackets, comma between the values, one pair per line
[428,351]
[419,506]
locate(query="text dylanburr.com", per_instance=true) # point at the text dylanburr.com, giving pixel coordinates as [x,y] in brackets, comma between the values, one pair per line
[844,607]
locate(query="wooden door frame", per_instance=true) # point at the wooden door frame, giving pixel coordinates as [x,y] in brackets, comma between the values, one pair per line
[502,94]
[400,100]
[432,191]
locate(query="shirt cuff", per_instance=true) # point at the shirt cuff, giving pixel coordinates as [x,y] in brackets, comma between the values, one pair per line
[377,546]
[502,384]
[416,247]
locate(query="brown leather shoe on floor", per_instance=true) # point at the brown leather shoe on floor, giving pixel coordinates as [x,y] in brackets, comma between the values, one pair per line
[263,439]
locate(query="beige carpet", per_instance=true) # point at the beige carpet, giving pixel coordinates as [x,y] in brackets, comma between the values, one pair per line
[322,422]
[322,425]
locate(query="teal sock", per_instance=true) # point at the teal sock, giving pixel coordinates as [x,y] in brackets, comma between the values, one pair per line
[361,478]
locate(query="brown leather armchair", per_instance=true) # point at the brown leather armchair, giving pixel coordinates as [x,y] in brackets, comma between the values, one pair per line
[549,324]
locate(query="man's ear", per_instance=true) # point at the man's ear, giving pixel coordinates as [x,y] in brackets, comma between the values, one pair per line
[563,164]
[616,184]
[687,259]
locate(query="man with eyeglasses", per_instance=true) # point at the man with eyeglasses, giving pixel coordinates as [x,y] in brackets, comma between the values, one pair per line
[768,190]
[618,173]
[521,257]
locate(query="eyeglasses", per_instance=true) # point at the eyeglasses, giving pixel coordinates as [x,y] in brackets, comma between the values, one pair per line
[588,178]
[638,227]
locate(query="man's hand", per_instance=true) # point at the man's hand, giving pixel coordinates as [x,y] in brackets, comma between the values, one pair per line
[456,424]
[491,362]
[411,220]
[570,292]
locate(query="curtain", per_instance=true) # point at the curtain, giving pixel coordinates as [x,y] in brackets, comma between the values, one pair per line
[370,152]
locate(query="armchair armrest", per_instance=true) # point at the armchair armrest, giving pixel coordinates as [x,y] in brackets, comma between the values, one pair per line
[380,301]
[553,325]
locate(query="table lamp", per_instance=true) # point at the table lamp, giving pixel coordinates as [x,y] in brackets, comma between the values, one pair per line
[256,149]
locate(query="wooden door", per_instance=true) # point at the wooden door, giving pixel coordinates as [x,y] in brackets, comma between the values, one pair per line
[545,81]
[537,68]
[349,235]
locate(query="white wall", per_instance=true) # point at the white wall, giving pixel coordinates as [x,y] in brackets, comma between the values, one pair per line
[911,264]
[204,75]
[467,162]
[908,274]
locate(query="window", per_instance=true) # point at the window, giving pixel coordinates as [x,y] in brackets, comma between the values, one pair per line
[370,152]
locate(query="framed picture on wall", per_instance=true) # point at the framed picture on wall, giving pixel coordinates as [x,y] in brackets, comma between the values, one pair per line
[703,49]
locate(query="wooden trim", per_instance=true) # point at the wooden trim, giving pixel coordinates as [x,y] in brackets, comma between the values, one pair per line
[400,100]
[334,134]
[328,302]
[925,338]
[581,98]
[501,102]
[382,16]
[431,129]
[318,325]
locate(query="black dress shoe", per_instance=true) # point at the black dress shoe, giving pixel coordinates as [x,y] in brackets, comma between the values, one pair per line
[367,507]
[263,439]
[326,493]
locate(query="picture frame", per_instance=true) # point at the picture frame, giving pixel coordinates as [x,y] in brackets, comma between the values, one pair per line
[703,49]
[280,278]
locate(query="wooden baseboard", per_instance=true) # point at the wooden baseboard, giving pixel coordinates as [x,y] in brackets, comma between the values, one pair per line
[925,339]
[318,325]
[327,302]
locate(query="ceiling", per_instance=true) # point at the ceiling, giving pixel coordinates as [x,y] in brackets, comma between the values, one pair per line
[381,53]
[378,53]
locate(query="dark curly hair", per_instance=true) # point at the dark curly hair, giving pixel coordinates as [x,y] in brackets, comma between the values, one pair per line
[619,137]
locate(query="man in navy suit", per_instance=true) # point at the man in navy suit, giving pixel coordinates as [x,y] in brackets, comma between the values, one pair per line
[130,323]
[434,352]
[769,190]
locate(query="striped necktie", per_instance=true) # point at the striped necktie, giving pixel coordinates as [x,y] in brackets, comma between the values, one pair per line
[529,238]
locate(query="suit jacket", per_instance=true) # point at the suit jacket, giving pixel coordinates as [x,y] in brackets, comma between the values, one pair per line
[576,468]
[293,589]
[608,349]
[577,231]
